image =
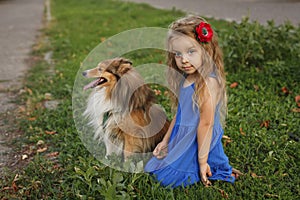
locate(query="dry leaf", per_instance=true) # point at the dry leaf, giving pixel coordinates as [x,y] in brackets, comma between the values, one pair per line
[297,99]
[14,186]
[5,188]
[256,87]
[41,150]
[227,140]
[22,109]
[226,137]
[234,85]
[255,175]
[57,166]
[157,92]
[29,91]
[53,154]
[242,132]
[50,132]
[285,90]
[223,193]
[265,124]
[31,118]
[40,142]
[296,110]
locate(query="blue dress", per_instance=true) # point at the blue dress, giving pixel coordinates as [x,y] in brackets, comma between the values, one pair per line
[180,167]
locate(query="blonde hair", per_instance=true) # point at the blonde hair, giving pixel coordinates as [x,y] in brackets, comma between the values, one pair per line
[211,59]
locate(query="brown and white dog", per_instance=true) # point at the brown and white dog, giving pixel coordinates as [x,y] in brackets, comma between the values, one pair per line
[122,109]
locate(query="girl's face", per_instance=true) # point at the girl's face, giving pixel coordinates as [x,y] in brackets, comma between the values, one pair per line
[187,54]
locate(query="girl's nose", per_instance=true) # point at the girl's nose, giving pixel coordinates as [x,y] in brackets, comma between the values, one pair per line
[184,59]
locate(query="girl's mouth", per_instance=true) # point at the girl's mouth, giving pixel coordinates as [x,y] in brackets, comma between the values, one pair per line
[187,68]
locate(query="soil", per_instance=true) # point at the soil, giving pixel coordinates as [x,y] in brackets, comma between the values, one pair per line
[20,22]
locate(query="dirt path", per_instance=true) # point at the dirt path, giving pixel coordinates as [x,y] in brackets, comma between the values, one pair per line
[20,22]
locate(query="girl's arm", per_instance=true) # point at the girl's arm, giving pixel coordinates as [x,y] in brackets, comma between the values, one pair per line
[204,131]
[161,149]
[168,134]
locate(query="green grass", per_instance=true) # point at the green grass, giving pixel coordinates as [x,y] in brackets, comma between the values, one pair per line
[266,154]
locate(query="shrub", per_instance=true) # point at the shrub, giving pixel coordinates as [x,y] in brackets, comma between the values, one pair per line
[251,45]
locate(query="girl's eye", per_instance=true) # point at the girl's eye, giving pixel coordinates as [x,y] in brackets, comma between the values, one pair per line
[178,54]
[191,51]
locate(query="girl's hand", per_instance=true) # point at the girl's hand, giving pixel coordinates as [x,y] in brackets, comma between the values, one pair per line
[204,173]
[161,150]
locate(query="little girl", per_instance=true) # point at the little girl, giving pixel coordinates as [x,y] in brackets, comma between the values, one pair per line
[192,148]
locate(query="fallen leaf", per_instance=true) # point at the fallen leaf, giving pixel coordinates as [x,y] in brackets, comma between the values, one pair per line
[5,188]
[242,132]
[226,137]
[31,118]
[41,150]
[50,132]
[296,110]
[265,124]
[22,109]
[40,142]
[29,91]
[157,92]
[227,140]
[14,186]
[53,154]
[297,99]
[234,85]
[223,193]
[255,175]
[57,166]
[285,90]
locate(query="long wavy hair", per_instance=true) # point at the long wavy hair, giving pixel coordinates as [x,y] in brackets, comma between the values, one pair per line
[211,59]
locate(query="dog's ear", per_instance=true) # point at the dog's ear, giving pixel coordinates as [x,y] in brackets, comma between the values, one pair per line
[125,66]
[126,61]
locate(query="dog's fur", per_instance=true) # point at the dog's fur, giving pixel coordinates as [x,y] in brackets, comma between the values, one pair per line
[122,109]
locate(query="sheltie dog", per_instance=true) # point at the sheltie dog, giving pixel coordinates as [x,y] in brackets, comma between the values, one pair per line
[122,109]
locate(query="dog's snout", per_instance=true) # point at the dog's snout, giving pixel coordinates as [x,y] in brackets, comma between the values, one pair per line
[84,73]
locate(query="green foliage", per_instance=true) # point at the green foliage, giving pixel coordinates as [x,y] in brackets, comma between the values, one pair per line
[261,59]
[252,45]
